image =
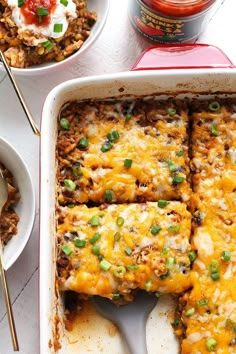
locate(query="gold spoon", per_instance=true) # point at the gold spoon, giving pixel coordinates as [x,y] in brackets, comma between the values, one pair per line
[3,200]
[19,95]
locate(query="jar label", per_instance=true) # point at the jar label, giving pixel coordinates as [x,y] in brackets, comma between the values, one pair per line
[165,29]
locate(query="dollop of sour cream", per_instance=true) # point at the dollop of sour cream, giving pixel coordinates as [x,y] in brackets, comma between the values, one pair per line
[63,12]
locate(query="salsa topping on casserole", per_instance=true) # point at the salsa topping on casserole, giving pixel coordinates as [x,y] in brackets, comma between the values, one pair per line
[146,199]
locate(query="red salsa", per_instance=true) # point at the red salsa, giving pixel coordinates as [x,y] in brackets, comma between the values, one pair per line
[37,12]
[170,21]
[179,8]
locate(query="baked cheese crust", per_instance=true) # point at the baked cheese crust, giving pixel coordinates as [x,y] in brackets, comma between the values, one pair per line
[132,161]
[136,150]
[209,309]
[115,249]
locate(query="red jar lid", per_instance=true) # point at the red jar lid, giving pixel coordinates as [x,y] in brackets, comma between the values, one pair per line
[179,8]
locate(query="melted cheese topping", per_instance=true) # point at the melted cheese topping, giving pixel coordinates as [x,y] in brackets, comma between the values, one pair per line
[214,199]
[152,146]
[151,140]
[138,256]
[60,15]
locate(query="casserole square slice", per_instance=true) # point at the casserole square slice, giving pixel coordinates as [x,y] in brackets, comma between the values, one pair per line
[123,151]
[114,249]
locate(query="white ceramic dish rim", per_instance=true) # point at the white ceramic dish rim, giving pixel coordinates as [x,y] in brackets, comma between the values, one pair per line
[50,67]
[163,83]
[25,208]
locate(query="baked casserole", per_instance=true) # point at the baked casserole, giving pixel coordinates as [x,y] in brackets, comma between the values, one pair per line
[146,199]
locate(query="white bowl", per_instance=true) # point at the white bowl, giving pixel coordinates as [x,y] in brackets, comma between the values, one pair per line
[25,208]
[101,7]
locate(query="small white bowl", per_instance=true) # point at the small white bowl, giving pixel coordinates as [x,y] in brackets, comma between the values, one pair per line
[101,7]
[25,208]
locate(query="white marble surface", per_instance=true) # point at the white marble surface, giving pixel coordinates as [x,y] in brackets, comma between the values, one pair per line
[116,50]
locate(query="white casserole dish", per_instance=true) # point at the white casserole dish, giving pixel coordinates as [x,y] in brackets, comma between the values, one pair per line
[94,334]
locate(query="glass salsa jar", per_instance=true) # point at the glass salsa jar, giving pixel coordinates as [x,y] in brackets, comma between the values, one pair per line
[170,21]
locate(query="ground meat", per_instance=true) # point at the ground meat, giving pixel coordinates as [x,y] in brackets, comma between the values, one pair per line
[9,218]
[24,48]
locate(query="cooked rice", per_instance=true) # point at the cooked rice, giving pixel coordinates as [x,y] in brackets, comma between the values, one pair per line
[9,218]
[20,49]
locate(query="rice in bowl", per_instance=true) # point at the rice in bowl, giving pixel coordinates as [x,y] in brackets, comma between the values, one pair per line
[9,218]
[37,32]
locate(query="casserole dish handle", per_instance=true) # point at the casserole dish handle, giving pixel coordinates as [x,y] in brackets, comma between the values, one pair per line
[182,56]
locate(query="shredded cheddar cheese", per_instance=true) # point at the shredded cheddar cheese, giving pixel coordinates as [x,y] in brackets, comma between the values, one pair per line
[127,217]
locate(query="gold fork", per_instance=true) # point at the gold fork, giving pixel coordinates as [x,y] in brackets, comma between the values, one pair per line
[3,200]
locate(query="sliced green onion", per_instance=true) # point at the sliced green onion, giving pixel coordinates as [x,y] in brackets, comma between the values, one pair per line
[116,296]
[42,11]
[65,124]
[108,195]
[174,228]
[94,238]
[211,344]
[105,265]
[171,111]
[202,302]
[190,312]
[214,130]
[119,271]
[230,324]
[120,221]
[48,44]
[76,168]
[101,213]
[176,322]
[180,153]
[96,250]
[70,185]
[58,27]
[162,203]
[148,285]
[155,229]
[170,262]
[226,256]
[113,136]
[214,106]
[106,147]
[192,256]
[21,3]
[171,166]
[132,266]
[66,249]
[94,220]
[178,179]
[64,2]
[214,266]
[128,162]
[128,251]
[71,206]
[215,276]
[117,236]
[127,118]
[164,276]
[83,143]
[79,243]
[164,251]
